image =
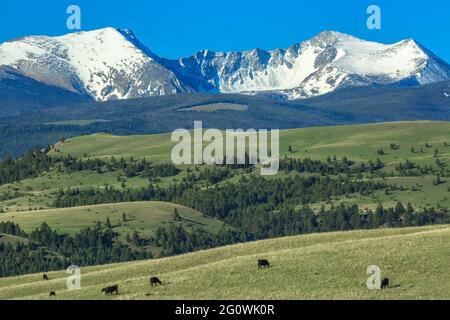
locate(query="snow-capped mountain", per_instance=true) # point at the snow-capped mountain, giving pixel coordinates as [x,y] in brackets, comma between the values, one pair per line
[112,64]
[321,65]
[104,64]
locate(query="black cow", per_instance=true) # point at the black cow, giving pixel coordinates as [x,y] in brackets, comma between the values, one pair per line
[384,283]
[45,277]
[154,281]
[111,290]
[263,263]
[52,294]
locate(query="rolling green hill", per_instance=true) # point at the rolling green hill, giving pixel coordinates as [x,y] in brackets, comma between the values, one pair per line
[143,217]
[316,266]
[414,141]
[304,267]
[357,142]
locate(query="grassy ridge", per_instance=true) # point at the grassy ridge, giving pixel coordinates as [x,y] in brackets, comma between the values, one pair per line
[358,143]
[39,192]
[144,217]
[328,266]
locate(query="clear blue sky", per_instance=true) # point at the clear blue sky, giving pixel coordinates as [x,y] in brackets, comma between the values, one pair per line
[179,28]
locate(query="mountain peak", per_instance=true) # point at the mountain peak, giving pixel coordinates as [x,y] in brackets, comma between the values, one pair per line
[112,63]
[332,33]
[105,64]
[331,37]
[329,61]
[96,32]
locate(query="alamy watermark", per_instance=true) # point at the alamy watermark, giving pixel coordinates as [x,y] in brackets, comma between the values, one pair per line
[73,22]
[374,281]
[74,279]
[374,20]
[227,147]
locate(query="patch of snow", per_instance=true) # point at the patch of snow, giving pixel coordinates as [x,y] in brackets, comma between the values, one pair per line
[102,62]
[112,64]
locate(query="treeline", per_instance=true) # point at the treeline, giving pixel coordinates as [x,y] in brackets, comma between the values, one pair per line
[410,169]
[21,134]
[47,250]
[34,163]
[176,240]
[210,174]
[130,167]
[345,166]
[257,223]
[30,165]
[330,167]
[217,201]
[289,220]
[11,229]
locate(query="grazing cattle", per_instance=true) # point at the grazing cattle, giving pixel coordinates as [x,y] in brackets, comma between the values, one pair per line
[111,290]
[384,283]
[263,263]
[154,281]
[44,277]
[52,294]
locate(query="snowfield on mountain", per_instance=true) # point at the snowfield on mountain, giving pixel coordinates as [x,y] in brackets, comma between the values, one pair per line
[104,64]
[109,64]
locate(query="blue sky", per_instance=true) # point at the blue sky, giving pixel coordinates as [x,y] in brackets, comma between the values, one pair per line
[179,28]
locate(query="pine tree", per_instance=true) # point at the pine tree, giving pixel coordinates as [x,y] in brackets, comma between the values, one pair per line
[135,238]
[176,215]
[108,223]
[438,180]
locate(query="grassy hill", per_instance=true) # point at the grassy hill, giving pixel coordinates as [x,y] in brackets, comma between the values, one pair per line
[143,217]
[39,193]
[357,142]
[325,266]
[415,141]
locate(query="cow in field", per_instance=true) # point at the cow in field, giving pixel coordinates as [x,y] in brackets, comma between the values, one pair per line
[45,277]
[154,281]
[52,294]
[384,283]
[263,263]
[111,290]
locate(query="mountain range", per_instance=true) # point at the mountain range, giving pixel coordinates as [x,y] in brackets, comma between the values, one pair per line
[110,64]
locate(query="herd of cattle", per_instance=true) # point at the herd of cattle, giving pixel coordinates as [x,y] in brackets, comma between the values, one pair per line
[154,281]
[114,289]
